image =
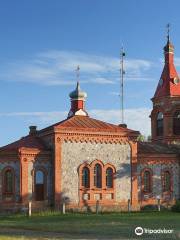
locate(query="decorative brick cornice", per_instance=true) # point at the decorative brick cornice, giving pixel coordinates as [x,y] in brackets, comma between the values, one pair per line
[148,156]
[95,131]
[93,138]
[154,161]
[33,155]
[14,154]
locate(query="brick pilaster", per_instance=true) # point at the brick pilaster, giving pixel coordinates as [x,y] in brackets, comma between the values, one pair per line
[134,179]
[24,179]
[57,171]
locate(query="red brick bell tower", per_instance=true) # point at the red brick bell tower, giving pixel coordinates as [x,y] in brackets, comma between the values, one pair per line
[165,116]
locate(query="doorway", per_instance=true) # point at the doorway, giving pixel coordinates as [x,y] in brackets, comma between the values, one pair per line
[39,186]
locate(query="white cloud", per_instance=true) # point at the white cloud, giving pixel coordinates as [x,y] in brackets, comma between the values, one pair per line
[136,119]
[133,78]
[115,93]
[41,117]
[58,68]
[102,80]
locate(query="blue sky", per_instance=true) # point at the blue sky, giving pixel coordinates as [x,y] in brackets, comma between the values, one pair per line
[43,41]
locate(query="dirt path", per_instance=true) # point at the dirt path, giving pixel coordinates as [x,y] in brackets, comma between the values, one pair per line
[24,234]
[29,234]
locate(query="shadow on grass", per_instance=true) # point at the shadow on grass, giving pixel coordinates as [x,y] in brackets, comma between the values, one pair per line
[89,226]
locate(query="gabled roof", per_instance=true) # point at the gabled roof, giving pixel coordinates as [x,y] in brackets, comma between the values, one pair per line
[74,123]
[157,148]
[29,141]
[90,124]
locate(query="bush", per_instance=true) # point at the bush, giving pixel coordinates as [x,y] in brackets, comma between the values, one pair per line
[176,206]
[152,207]
[149,207]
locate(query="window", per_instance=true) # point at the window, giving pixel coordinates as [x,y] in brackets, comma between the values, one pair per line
[98,176]
[159,124]
[85,177]
[176,123]
[109,177]
[96,182]
[147,181]
[167,181]
[39,185]
[39,177]
[8,181]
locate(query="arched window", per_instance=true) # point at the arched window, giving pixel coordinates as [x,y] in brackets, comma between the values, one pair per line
[109,177]
[176,123]
[85,177]
[39,185]
[39,177]
[167,181]
[8,181]
[159,124]
[97,176]
[147,181]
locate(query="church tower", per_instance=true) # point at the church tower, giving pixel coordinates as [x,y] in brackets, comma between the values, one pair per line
[165,116]
[78,98]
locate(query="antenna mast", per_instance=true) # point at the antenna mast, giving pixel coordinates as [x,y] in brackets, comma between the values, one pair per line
[122,72]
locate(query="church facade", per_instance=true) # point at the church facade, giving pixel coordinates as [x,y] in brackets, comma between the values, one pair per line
[83,162]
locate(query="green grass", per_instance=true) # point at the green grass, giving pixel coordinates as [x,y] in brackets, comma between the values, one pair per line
[88,226]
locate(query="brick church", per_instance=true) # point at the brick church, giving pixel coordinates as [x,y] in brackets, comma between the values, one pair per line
[82,161]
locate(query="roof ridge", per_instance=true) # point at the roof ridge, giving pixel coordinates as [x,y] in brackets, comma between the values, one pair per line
[28,141]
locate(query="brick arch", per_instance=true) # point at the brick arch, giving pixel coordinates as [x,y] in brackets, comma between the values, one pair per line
[96,161]
[109,165]
[85,164]
[171,179]
[40,168]
[4,193]
[142,180]
[98,179]
[156,111]
[154,115]
[159,131]
[93,190]
[173,111]
[80,173]
[45,173]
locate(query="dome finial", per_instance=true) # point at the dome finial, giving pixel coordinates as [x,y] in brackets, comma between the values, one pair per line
[169,48]
[78,98]
[78,86]
[168,32]
[77,73]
